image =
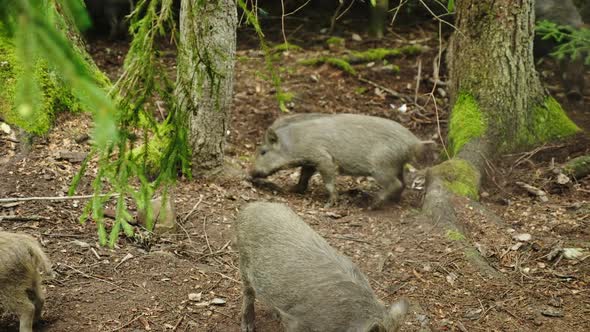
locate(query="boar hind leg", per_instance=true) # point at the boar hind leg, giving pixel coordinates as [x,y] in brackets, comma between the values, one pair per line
[306,174]
[248,296]
[26,316]
[328,171]
[36,297]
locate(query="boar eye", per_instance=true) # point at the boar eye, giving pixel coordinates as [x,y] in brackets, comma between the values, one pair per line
[262,152]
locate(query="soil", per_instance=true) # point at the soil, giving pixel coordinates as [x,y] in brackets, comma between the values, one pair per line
[172,286]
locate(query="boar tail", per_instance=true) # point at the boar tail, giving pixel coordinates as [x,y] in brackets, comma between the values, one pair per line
[39,258]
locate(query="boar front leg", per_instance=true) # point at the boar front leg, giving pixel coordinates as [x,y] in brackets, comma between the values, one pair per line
[306,174]
[248,314]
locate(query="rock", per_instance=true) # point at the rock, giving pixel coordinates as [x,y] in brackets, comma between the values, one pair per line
[524,237]
[551,312]
[218,301]
[195,296]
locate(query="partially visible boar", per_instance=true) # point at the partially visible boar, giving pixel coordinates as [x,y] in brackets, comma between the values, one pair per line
[348,144]
[21,262]
[296,272]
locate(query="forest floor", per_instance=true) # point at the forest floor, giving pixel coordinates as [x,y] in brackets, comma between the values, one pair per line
[403,253]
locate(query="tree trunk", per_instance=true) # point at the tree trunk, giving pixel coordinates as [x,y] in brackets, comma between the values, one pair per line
[205,76]
[498,102]
[497,95]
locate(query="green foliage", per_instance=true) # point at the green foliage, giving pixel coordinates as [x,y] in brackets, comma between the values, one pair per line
[466,122]
[164,147]
[458,176]
[572,43]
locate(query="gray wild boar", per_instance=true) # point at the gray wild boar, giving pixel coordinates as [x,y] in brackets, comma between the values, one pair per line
[312,287]
[348,144]
[21,261]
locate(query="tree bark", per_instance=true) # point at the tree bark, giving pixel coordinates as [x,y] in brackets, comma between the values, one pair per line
[491,61]
[205,76]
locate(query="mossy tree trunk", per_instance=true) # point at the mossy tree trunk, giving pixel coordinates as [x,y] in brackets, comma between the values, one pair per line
[205,76]
[378,18]
[55,96]
[498,103]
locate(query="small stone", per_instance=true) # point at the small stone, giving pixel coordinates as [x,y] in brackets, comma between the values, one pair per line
[356,37]
[81,244]
[551,312]
[218,301]
[524,237]
[195,296]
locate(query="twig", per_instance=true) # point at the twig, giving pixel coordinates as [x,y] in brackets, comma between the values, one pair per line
[389,91]
[193,209]
[418,77]
[206,237]
[178,323]
[9,139]
[534,191]
[348,239]
[51,198]
[127,324]
[228,278]
[84,274]
[23,218]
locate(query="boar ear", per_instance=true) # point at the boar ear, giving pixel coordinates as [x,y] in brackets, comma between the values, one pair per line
[289,321]
[271,136]
[375,327]
[395,314]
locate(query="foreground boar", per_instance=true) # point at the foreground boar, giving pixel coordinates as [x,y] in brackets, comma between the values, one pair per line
[349,144]
[21,261]
[296,272]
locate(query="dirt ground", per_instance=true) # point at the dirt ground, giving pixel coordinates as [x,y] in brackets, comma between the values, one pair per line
[403,253]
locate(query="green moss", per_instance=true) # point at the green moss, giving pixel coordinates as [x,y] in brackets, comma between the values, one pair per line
[335,41]
[466,122]
[577,167]
[286,47]
[336,62]
[360,90]
[455,235]
[459,177]
[548,122]
[377,54]
[285,96]
[55,96]
[471,253]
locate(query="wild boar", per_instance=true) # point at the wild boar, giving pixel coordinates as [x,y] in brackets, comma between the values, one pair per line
[21,263]
[312,287]
[348,144]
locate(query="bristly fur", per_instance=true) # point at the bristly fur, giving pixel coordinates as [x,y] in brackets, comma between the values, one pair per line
[23,265]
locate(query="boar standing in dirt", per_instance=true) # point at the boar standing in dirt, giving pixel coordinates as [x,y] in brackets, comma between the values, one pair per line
[307,282]
[21,261]
[348,144]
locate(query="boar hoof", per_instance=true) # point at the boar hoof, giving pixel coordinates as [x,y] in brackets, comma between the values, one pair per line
[247,327]
[297,189]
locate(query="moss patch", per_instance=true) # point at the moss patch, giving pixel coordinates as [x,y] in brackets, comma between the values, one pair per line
[336,62]
[455,235]
[459,177]
[55,96]
[548,122]
[466,123]
[578,167]
[377,54]
[286,47]
[335,41]
[151,153]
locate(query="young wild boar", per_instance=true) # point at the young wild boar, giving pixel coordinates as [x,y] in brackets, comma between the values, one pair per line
[21,261]
[348,144]
[308,283]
